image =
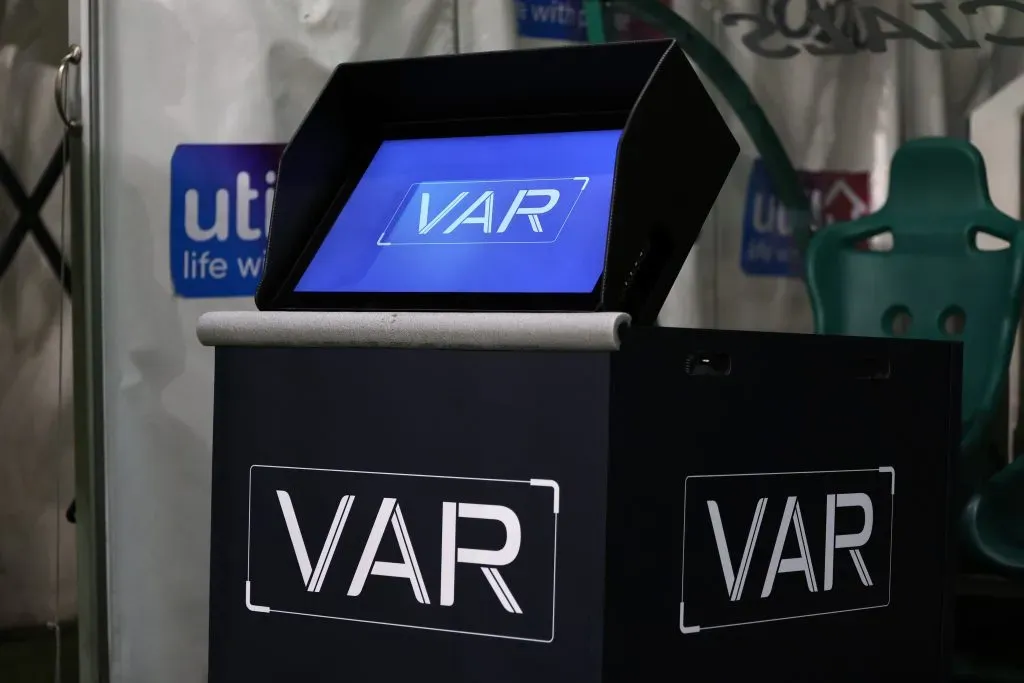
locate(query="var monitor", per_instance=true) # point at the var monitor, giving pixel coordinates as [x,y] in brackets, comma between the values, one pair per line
[448,222]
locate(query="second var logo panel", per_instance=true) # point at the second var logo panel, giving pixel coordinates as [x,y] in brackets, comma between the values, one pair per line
[766,547]
[472,556]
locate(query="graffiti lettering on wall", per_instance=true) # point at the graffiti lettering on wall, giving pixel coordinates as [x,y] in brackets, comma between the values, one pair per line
[823,28]
[793,20]
[221,196]
[768,247]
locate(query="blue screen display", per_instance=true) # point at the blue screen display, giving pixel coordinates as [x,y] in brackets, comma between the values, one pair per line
[515,214]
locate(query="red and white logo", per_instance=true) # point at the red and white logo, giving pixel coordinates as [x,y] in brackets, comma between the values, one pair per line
[837,196]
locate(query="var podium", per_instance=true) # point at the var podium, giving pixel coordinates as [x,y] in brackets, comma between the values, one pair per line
[561,497]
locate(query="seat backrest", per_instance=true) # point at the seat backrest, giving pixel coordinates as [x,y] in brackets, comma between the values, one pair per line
[935,282]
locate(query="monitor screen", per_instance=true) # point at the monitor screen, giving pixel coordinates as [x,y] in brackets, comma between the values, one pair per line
[499,214]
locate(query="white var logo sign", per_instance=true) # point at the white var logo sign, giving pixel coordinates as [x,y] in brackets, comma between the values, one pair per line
[441,553]
[524,211]
[793,524]
[480,211]
[389,517]
[814,542]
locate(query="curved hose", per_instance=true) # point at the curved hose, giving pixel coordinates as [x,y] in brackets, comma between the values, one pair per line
[730,84]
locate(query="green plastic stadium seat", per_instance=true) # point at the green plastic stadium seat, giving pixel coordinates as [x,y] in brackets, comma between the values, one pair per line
[936,283]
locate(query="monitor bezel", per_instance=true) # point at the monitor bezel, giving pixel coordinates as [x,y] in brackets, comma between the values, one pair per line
[290,299]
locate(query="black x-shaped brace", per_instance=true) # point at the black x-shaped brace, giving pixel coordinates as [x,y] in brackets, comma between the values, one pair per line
[29,220]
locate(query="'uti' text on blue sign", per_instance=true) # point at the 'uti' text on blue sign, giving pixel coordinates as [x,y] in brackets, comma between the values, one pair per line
[221,199]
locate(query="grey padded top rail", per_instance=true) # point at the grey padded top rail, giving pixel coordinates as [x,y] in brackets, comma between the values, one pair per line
[505,331]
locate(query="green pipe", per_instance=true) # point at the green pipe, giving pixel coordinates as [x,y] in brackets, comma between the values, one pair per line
[594,15]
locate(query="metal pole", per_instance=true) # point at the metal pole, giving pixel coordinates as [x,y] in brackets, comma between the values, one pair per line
[87,350]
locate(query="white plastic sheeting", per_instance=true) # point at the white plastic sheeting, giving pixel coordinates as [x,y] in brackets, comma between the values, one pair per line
[839,118]
[36,463]
[196,71]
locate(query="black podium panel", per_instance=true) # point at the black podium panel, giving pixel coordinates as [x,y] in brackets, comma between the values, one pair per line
[705,504]
[515,431]
[790,518]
